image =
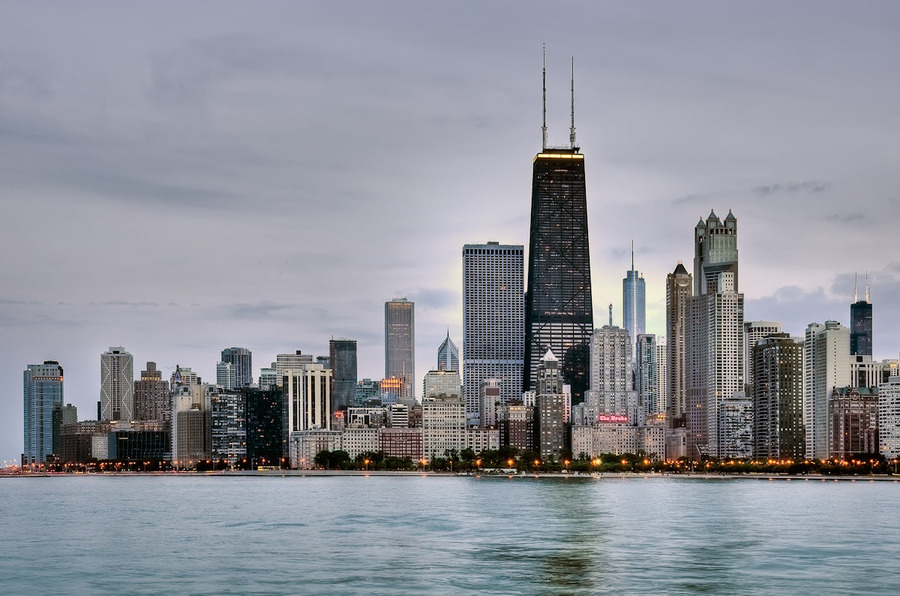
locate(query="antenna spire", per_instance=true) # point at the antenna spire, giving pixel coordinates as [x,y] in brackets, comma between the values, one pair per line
[856,287]
[544,100]
[867,285]
[572,130]
[610,315]
[632,254]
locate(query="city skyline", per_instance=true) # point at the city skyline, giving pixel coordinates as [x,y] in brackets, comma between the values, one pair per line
[155,158]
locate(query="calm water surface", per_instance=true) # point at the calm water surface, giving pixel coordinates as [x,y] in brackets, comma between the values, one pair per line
[408,535]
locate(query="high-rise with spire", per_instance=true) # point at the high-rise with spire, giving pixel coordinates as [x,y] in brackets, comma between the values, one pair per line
[719,415]
[448,355]
[558,309]
[861,323]
[634,303]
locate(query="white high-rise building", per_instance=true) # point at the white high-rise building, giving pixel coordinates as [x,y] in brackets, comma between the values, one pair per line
[611,387]
[826,365]
[753,332]
[117,385]
[889,418]
[646,378]
[225,375]
[307,391]
[493,320]
[662,374]
[717,418]
[634,303]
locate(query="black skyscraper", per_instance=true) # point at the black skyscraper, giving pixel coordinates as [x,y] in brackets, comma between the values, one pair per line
[343,364]
[558,311]
[861,325]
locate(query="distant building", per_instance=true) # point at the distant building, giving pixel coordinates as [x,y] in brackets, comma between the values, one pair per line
[443,425]
[678,291]
[488,402]
[612,374]
[634,303]
[241,361]
[266,430]
[229,426]
[151,396]
[550,429]
[753,332]
[226,376]
[268,378]
[646,379]
[866,372]
[342,353]
[715,345]
[777,393]
[861,325]
[307,391]
[43,393]
[367,389]
[493,320]
[448,355]
[516,423]
[854,421]
[400,343]
[889,418]
[295,361]
[117,385]
[826,365]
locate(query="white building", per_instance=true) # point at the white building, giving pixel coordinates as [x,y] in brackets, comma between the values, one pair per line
[826,365]
[304,445]
[443,425]
[307,391]
[116,385]
[611,388]
[889,418]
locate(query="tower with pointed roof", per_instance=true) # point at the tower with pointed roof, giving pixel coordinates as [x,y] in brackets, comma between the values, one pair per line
[550,408]
[558,307]
[678,292]
[634,303]
[719,414]
[448,355]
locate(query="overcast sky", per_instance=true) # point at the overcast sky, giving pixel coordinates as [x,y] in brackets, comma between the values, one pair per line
[177,179]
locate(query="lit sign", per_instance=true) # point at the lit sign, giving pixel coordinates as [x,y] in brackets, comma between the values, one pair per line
[613,418]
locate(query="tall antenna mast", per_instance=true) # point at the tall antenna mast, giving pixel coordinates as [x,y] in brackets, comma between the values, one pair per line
[610,315]
[867,285]
[632,254]
[572,130]
[856,287]
[544,127]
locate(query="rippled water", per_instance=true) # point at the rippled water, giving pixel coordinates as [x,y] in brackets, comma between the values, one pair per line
[454,535]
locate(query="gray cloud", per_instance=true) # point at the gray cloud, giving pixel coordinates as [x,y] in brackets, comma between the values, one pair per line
[810,186]
[845,217]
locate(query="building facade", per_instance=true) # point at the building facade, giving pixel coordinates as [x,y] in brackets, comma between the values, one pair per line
[400,343]
[448,355]
[241,360]
[116,385]
[151,396]
[678,292]
[634,303]
[43,393]
[826,365]
[493,319]
[861,325]
[777,393]
[342,353]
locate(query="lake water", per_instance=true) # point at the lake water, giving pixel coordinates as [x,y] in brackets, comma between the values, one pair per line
[446,535]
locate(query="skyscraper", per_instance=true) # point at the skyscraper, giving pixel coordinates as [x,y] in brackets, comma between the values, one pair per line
[43,391]
[611,374]
[719,413]
[634,303]
[400,343]
[826,365]
[558,310]
[753,332]
[861,324]
[241,361]
[678,292]
[493,319]
[116,385]
[777,392]
[151,396]
[342,353]
[448,355]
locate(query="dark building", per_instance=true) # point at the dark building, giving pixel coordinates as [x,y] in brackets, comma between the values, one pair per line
[139,444]
[854,421]
[342,353]
[558,310]
[777,393]
[266,433]
[861,325]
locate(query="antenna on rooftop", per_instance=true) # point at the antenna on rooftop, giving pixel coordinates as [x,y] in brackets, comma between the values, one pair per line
[572,130]
[544,126]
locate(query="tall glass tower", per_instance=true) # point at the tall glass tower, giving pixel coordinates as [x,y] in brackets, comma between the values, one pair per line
[634,303]
[861,324]
[43,384]
[558,311]
[400,343]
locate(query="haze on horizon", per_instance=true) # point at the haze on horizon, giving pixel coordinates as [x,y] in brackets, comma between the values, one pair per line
[180,179]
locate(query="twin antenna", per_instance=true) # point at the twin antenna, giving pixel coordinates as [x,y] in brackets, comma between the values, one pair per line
[544,125]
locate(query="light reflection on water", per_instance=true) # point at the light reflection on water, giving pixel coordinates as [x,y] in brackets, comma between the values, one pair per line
[389,535]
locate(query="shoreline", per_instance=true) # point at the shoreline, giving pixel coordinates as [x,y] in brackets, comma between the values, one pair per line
[507,476]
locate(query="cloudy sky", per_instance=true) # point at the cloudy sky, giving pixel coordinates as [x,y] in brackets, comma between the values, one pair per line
[176,179]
